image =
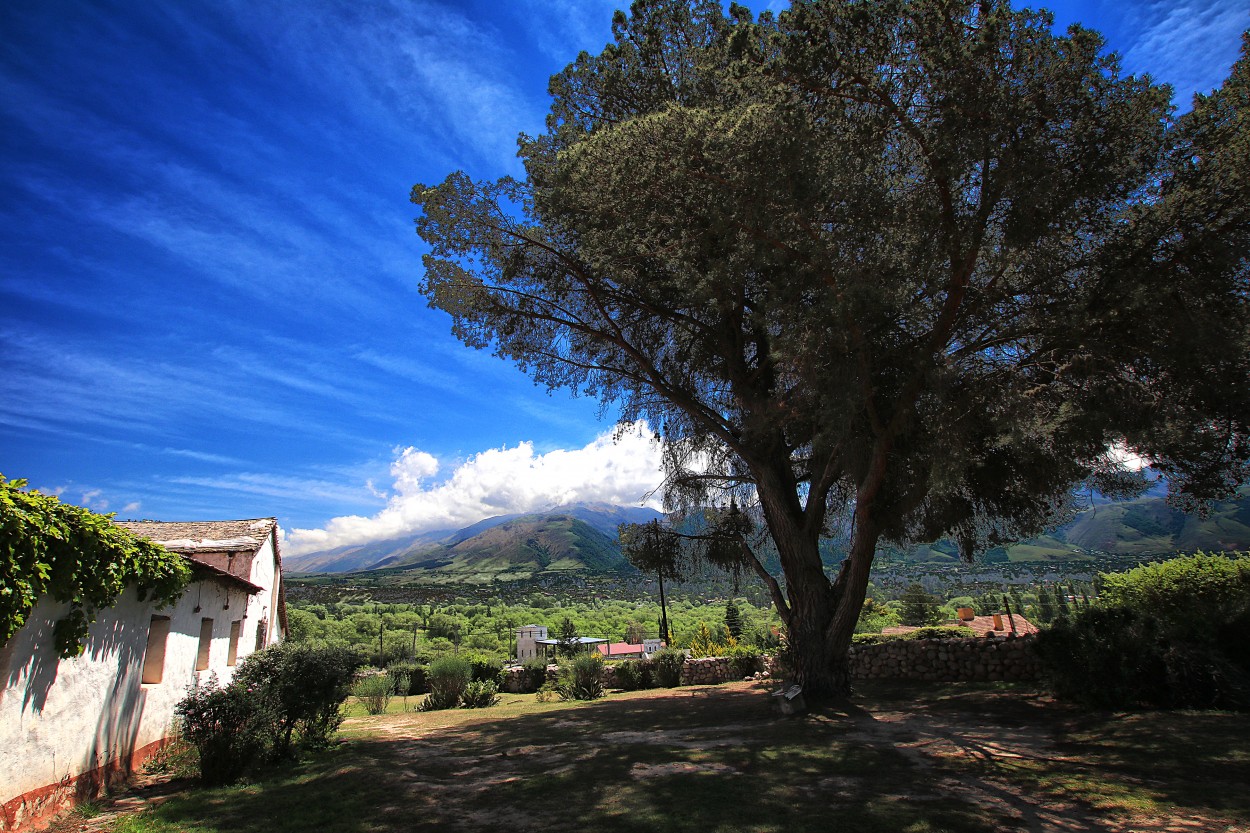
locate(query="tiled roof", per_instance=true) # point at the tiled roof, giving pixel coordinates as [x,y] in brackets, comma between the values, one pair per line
[189,537]
[980,625]
[617,648]
[221,548]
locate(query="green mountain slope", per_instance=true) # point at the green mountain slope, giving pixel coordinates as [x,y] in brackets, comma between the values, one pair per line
[1148,525]
[572,538]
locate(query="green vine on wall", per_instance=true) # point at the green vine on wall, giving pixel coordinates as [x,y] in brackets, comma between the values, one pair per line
[50,548]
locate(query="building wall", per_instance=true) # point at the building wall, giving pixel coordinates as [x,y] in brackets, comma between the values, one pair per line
[527,646]
[264,606]
[66,725]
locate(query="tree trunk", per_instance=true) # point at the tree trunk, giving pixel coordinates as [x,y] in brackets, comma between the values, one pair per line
[823,615]
[818,667]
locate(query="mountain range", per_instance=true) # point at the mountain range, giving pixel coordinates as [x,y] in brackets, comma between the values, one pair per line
[582,537]
[578,536]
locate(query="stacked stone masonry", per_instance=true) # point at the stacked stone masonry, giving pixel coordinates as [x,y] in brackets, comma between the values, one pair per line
[947,660]
[936,660]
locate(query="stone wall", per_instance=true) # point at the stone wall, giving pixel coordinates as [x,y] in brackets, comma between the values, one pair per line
[947,660]
[708,671]
[937,660]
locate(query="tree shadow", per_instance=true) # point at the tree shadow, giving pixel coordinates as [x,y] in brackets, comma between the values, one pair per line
[30,655]
[113,744]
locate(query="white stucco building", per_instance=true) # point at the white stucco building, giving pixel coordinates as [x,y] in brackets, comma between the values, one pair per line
[527,637]
[67,725]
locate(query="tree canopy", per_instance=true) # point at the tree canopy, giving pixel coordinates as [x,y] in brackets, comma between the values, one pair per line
[908,268]
[50,548]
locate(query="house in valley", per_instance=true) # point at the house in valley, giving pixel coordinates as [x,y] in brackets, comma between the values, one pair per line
[68,725]
[629,650]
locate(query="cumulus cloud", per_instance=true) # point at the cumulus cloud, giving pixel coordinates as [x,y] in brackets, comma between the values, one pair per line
[621,468]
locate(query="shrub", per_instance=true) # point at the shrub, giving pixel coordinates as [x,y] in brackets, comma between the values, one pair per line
[374,692]
[414,673]
[303,687]
[940,632]
[533,675]
[479,694]
[581,678]
[484,667]
[1191,597]
[927,632]
[666,667]
[546,693]
[1105,658]
[746,660]
[227,727]
[448,677]
[1169,635]
[634,674]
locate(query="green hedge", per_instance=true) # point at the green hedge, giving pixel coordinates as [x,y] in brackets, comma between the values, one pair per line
[1169,635]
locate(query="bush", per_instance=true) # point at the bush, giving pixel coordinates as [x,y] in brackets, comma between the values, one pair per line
[547,692]
[634,674]
[666,667]
[533,675]
[1192,597]
[581,678]
[448,677]
[1105,658]
[1169,635]
[927,632]
[304,688]
[746,660]
[414,673]
[940,632]
[374,692]
[226,728]
[484,667]
[479,694]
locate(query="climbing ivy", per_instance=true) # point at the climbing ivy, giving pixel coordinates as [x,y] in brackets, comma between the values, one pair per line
[50,548]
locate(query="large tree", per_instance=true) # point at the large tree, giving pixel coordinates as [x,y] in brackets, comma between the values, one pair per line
[907,268]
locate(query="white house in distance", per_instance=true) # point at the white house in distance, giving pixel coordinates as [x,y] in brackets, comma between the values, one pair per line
[533,641]
[528,638]
[68,725]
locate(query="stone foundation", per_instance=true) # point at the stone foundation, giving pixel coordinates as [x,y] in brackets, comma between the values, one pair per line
[38,808]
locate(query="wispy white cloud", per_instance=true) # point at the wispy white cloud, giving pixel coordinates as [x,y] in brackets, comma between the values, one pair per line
[60,383]
[432,77]
[622,468]
[282,487]
[562,28]
[94,499]
[1190,44]
[203,456]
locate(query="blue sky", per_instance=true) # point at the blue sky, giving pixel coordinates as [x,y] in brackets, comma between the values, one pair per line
[208,268]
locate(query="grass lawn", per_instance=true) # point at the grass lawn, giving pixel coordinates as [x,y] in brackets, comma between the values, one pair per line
[910,758]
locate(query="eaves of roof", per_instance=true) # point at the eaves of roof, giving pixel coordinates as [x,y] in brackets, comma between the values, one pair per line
[202,570]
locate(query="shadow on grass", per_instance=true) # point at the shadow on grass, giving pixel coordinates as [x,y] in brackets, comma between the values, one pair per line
[947,758]
[699,760]
[1151,762]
